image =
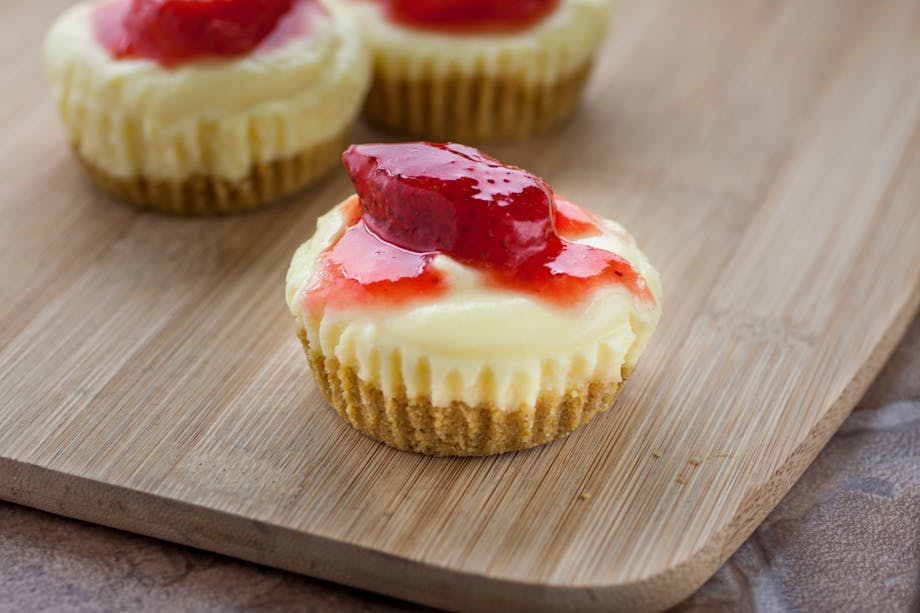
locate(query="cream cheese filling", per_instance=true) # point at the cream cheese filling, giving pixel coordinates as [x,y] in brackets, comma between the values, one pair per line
[218,117]
[479,344]
[555,47]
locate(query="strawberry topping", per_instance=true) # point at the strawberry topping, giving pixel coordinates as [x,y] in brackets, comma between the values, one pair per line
[174,31]
[419,200]
[454,199]
[469,16]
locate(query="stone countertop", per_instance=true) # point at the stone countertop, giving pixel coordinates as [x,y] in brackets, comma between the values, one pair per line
[846,537]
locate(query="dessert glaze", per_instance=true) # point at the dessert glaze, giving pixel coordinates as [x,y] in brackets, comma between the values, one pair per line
[172,32]
[419,200]
[468,16]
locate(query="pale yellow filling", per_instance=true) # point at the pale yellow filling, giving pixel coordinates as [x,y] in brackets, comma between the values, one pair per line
[479,344]
[557,46]
[132,117]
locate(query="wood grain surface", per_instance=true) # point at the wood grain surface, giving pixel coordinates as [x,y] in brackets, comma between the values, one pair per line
[765,154]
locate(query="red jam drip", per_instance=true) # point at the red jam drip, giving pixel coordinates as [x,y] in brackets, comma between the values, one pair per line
[418,200]
[469,16]
[573,222]
[361,269]
[172,32]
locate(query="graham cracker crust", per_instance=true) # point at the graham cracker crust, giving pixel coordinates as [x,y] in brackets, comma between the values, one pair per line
[459,107]
[460,429]
[200,195]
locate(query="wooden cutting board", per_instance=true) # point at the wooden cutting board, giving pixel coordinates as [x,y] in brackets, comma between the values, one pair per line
[765,154]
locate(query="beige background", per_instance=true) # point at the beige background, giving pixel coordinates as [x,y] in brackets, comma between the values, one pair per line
[846,537]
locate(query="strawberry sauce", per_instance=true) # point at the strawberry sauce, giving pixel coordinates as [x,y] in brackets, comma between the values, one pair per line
[418,200]
[469,16]
[172,32]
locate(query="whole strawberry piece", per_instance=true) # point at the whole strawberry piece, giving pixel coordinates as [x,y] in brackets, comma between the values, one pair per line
[175,30]
[454,199]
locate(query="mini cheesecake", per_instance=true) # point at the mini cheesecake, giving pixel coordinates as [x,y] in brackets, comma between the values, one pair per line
[478,69]
[457,306]
[193,107]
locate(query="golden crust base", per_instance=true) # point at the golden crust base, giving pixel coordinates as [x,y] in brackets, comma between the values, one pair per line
[457,107]
[457,430]
[213,195]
